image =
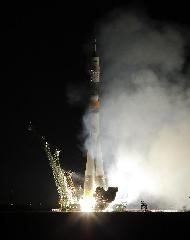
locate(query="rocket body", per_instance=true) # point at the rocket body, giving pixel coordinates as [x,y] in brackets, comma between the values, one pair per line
[94,174]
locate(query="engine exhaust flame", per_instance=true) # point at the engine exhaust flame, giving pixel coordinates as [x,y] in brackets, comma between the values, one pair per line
[87,204]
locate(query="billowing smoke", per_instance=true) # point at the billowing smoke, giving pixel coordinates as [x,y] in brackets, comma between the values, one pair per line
[145,110]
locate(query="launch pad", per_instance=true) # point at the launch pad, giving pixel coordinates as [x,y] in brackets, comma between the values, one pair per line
[72,198]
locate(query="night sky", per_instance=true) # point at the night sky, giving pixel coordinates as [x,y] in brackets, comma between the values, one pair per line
[44,58]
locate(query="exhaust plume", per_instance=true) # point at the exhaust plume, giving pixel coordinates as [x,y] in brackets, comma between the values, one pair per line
[145,110]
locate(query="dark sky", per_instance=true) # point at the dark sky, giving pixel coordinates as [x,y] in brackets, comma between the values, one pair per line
[44,56]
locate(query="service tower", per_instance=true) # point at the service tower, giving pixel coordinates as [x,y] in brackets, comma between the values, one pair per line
[94,174]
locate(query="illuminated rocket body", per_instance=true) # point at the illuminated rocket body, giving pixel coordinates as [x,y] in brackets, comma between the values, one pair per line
[94,174]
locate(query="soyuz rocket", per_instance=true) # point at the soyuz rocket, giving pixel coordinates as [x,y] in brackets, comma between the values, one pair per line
[94,173]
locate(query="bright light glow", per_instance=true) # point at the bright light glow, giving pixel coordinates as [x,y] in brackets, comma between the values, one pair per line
[87,204]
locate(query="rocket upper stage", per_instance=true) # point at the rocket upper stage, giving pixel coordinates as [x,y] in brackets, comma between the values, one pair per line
[94,79]
[94,174]
[94,66]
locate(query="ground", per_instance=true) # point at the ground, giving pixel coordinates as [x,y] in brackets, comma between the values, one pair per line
[48,225]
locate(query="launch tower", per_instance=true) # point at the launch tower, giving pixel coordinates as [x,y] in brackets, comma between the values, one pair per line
[94,174]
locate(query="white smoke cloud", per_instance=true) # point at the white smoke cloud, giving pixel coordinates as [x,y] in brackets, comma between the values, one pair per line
[145,110]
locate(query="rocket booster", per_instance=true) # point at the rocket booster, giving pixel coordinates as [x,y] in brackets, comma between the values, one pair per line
[94,174]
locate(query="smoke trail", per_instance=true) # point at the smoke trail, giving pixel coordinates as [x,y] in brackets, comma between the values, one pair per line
[145,110]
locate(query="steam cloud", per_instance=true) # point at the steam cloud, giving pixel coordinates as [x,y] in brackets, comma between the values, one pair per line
[145,110]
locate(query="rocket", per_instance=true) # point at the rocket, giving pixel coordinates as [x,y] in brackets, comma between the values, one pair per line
[94,174]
